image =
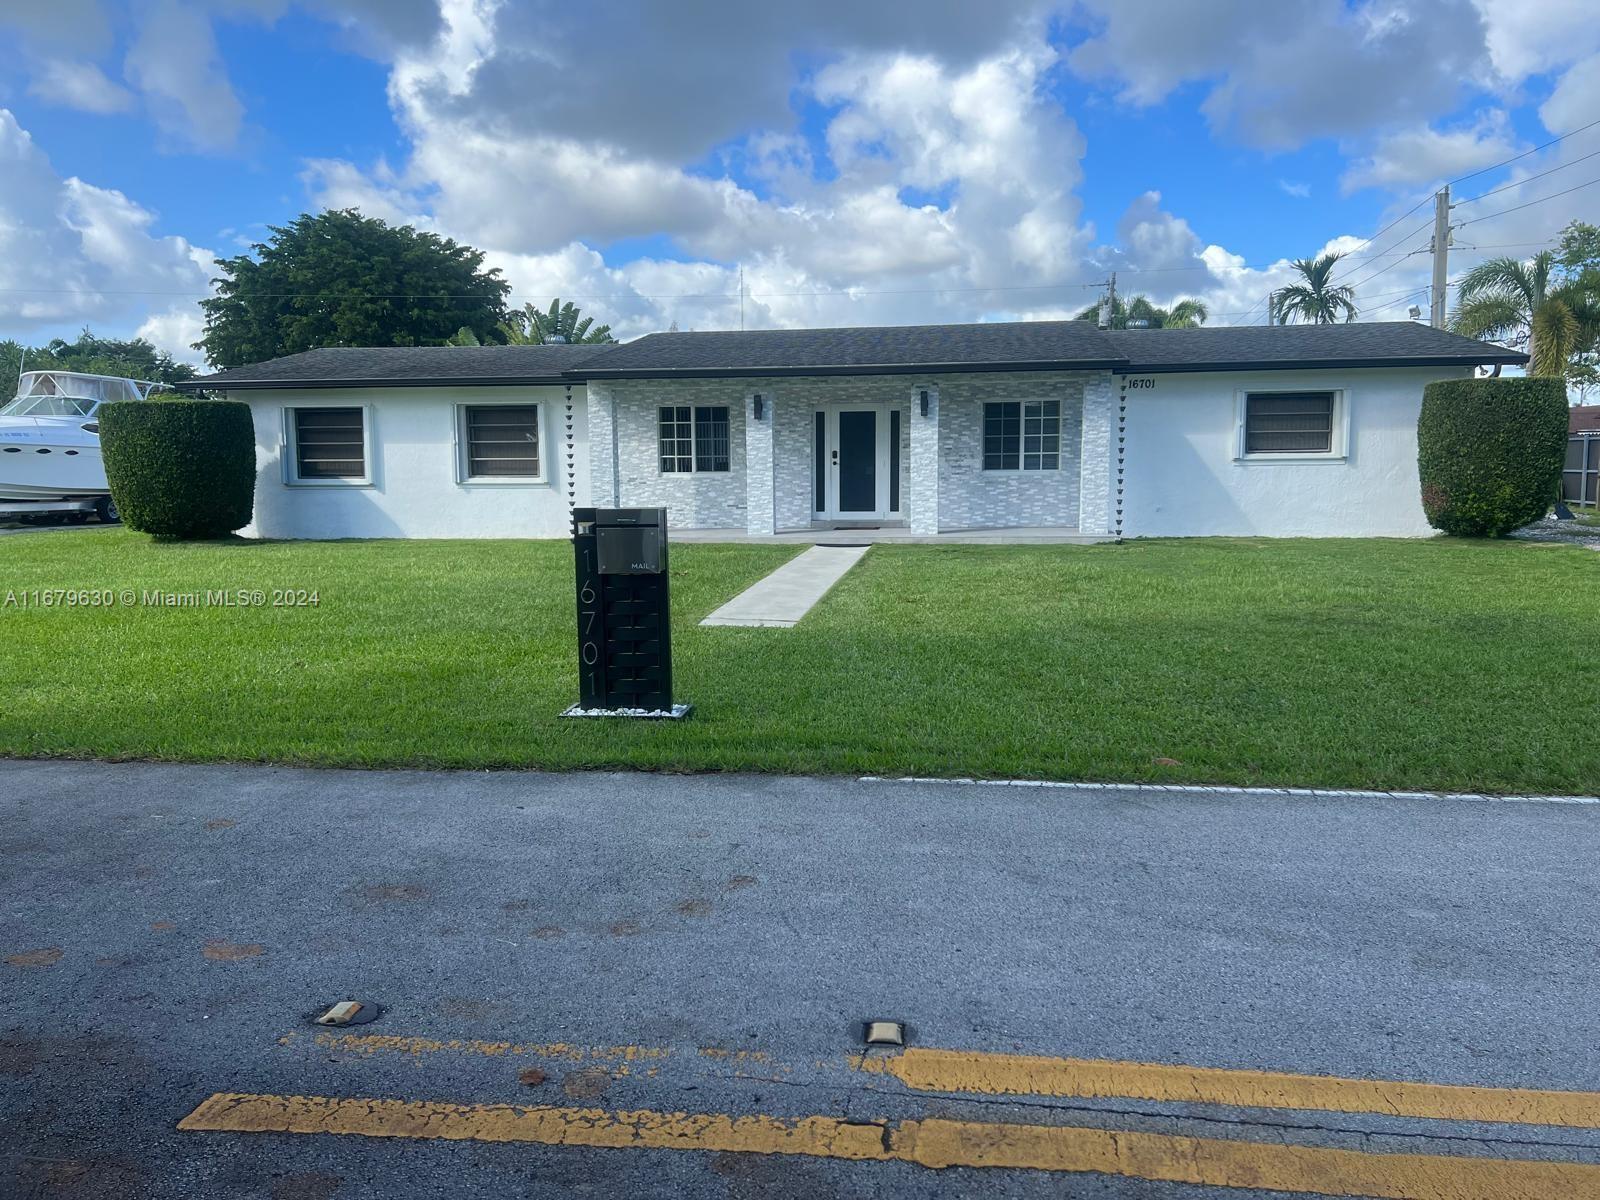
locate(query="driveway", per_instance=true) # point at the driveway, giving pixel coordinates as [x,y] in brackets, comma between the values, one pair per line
[631,985]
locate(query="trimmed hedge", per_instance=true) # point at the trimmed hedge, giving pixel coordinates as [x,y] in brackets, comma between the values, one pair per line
[1489,452]
[180,468]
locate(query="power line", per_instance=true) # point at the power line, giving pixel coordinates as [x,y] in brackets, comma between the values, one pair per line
[1484,171]
[1519,207]
[1381,270]
[1517,157]
[1516,183]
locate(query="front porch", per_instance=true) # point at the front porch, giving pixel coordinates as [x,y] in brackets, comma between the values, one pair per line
[984,458]
[1045,535]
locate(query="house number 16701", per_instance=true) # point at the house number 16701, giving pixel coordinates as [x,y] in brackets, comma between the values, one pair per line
[1141,383]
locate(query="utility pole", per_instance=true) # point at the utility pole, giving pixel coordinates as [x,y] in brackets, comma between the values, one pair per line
[1441,254]
[1108,306]
[1272,300]
[741,297]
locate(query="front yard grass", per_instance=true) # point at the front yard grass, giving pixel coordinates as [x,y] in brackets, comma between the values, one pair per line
[1385,664]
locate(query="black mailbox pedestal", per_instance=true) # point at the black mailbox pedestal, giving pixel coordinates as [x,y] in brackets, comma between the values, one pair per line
[624,614]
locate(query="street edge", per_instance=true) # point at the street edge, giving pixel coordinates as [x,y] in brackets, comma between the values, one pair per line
[1200,789]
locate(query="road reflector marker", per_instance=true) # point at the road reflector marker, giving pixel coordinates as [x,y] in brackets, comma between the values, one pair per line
[885,1033]
[932,1143]
[349,1012]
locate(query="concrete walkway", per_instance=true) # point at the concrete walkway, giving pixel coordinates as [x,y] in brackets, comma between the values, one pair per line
[790,592]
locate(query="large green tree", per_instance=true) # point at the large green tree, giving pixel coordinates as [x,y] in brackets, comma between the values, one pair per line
[342,279]
[1548,304]
[135,359]
[562,323]
[1185,314]
[1316,299]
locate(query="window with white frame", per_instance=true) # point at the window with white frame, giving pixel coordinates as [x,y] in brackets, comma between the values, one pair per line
[328,445]
[1290,423]
[500,442]
[694,438]
[1022,435]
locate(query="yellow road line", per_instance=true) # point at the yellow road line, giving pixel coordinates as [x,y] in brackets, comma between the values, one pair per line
[1022,1075]
[930,1143]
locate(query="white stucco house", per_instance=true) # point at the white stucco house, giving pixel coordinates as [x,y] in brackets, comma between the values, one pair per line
[1038,428]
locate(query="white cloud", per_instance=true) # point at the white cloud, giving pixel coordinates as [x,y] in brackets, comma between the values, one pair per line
[1282,74]
[1575,102]
[1526,38]
[73,254]
[943,175]
[79,85]
[173,61]
[1153,240]
[1289,187]
[1426,155]
[176,331]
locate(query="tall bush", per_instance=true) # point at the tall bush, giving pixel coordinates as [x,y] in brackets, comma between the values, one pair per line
[1489,452]
[180,468]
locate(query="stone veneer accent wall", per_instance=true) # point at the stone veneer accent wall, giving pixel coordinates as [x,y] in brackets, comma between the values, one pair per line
[701,500]
[972,498]
[968,497]
[1100,399]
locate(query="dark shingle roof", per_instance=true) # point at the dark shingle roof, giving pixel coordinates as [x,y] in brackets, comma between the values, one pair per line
[897,349]
[1375,343]
[408,366]
[892,349]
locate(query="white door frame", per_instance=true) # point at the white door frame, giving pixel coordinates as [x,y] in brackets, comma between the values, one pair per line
[883,466]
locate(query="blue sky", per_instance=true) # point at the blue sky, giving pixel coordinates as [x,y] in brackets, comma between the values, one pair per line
[862,164]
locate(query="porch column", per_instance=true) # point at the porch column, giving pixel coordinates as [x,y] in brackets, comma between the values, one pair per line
[1095,501]
[601,404]
[760,518]
[924,461]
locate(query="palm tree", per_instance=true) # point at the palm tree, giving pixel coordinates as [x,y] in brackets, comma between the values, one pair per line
[1315,301]
[1520,302]
[530,327]
[1185,314]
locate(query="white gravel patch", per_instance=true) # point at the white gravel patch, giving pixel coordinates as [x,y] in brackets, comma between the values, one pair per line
[1572,533]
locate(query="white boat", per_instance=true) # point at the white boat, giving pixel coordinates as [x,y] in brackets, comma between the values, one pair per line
[49,438]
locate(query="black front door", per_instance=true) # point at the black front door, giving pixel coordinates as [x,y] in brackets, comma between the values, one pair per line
[858,462]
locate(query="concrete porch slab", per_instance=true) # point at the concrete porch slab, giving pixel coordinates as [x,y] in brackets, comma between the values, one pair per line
[1018,536]
[790,592]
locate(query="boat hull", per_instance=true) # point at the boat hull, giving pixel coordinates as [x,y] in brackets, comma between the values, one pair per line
[38,462]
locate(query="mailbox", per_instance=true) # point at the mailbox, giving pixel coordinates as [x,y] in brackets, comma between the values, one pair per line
[631,541]
[624,612]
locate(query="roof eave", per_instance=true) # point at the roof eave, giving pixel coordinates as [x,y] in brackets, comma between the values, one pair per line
[1508,358]
[603,373]
[216,384]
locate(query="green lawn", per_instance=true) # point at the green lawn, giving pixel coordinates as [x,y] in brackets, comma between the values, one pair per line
[1439,664]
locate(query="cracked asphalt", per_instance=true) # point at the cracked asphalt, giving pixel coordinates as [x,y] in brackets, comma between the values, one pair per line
[710,944]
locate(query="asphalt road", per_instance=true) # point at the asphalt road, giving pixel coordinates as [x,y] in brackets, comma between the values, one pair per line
[708,945]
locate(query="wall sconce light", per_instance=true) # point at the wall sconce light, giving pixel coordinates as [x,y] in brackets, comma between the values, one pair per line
[922,402]
[759,406]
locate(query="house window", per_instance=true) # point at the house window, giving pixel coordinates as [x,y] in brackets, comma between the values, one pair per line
[1022,435]
[330,444]
[694,438]
[1580,480]
[501,441]
[1288,423]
